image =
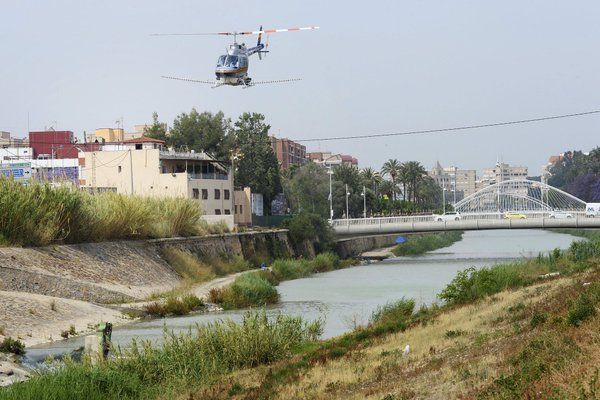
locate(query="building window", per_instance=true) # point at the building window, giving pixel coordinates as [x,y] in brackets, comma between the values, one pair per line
[195,193]
[226,194]
[235,209]
[119,168]
[241,212]
[217,194]
[217,212]
[227,212]
[138,146]
[204,194]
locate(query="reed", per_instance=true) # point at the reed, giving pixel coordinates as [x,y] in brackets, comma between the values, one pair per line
[38,214]
[190,359]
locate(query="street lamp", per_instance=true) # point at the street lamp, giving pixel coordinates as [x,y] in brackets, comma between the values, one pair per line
[444,200]
[364,195]
[330,172]
[347,209]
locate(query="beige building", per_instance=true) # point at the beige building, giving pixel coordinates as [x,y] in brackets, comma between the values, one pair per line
[243,207]
[141,167]
[327,158]
[501,172]
[6,140]
[107,135]
[459,182]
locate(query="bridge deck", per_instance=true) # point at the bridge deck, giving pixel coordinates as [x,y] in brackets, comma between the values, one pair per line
[426,224]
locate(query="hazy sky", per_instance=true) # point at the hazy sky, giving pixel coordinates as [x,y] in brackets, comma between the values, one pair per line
[374,67]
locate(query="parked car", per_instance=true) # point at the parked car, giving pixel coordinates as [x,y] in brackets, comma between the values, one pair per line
[449,216]
[514,215]
[592,210]
[560,214]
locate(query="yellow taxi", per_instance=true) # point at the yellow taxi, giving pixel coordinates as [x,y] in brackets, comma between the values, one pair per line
[514,215]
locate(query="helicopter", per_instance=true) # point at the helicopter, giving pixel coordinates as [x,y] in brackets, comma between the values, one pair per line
[232,68]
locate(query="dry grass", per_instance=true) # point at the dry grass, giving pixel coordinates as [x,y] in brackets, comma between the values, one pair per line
[493,332]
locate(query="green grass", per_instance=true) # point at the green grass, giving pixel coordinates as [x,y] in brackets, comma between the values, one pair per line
[183,361]
[420,244]
[174,306]
[38,214]
[397,312]
[248,290]
[472,284]
[288,269]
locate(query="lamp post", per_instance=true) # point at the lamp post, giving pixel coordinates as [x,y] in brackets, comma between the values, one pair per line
[330,172]
[347,209]
[444,200]
[364,195]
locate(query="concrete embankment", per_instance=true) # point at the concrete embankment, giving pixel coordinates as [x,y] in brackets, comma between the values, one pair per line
[45,290]
[355,246]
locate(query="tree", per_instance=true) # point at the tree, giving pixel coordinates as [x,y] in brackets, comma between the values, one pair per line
[204,131]
[307,189]
[157,130]
[257,166]
[370,178]
[414,174]
[578,174]
[392,168]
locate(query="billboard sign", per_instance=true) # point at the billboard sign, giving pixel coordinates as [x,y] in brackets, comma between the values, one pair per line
[19,171]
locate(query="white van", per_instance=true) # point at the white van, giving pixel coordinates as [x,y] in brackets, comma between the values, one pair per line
[592,210]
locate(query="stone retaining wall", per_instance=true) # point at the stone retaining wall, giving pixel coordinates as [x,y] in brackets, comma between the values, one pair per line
[353,247]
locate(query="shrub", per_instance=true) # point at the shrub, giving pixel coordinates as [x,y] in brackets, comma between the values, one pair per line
[10,345]
[291,269]
[583,308]
[472,284]
[325,262]
[310,227]
[395,313]
[174,306]
[247,290]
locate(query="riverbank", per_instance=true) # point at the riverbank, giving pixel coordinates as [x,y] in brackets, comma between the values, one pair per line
[485,342]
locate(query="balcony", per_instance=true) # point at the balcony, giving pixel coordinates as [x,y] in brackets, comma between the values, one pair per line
[208,175]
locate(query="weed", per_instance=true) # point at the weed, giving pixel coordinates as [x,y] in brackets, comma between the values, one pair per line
[582,309]
[10,345]
[454,333]
[538,319]
[53,305]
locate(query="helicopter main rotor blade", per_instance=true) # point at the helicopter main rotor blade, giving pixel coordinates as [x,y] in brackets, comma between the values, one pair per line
[266,31]
[188,80]
[276,81]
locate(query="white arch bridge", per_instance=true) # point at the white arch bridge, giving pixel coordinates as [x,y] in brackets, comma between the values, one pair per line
[537,204]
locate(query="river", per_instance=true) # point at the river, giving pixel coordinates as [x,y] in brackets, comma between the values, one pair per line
[347,297]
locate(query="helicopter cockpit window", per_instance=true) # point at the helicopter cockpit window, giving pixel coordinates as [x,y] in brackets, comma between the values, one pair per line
[221,61]
[243,62]
[232,61]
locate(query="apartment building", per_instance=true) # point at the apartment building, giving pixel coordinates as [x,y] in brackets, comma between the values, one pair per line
[459,183]
[328,158]
[288,152]
[501,172]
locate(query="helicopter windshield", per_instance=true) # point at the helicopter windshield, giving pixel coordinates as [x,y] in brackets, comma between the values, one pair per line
[232,61]
[221,61]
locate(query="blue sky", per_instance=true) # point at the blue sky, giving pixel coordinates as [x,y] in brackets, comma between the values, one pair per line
[374,67]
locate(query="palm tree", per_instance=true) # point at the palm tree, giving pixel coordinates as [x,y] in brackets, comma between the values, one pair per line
[414,172]
[391,168]
[371,178]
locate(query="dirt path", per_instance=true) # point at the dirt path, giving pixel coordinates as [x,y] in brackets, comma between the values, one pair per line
[36,319]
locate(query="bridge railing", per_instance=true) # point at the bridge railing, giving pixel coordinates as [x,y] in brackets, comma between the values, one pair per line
[430,218]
